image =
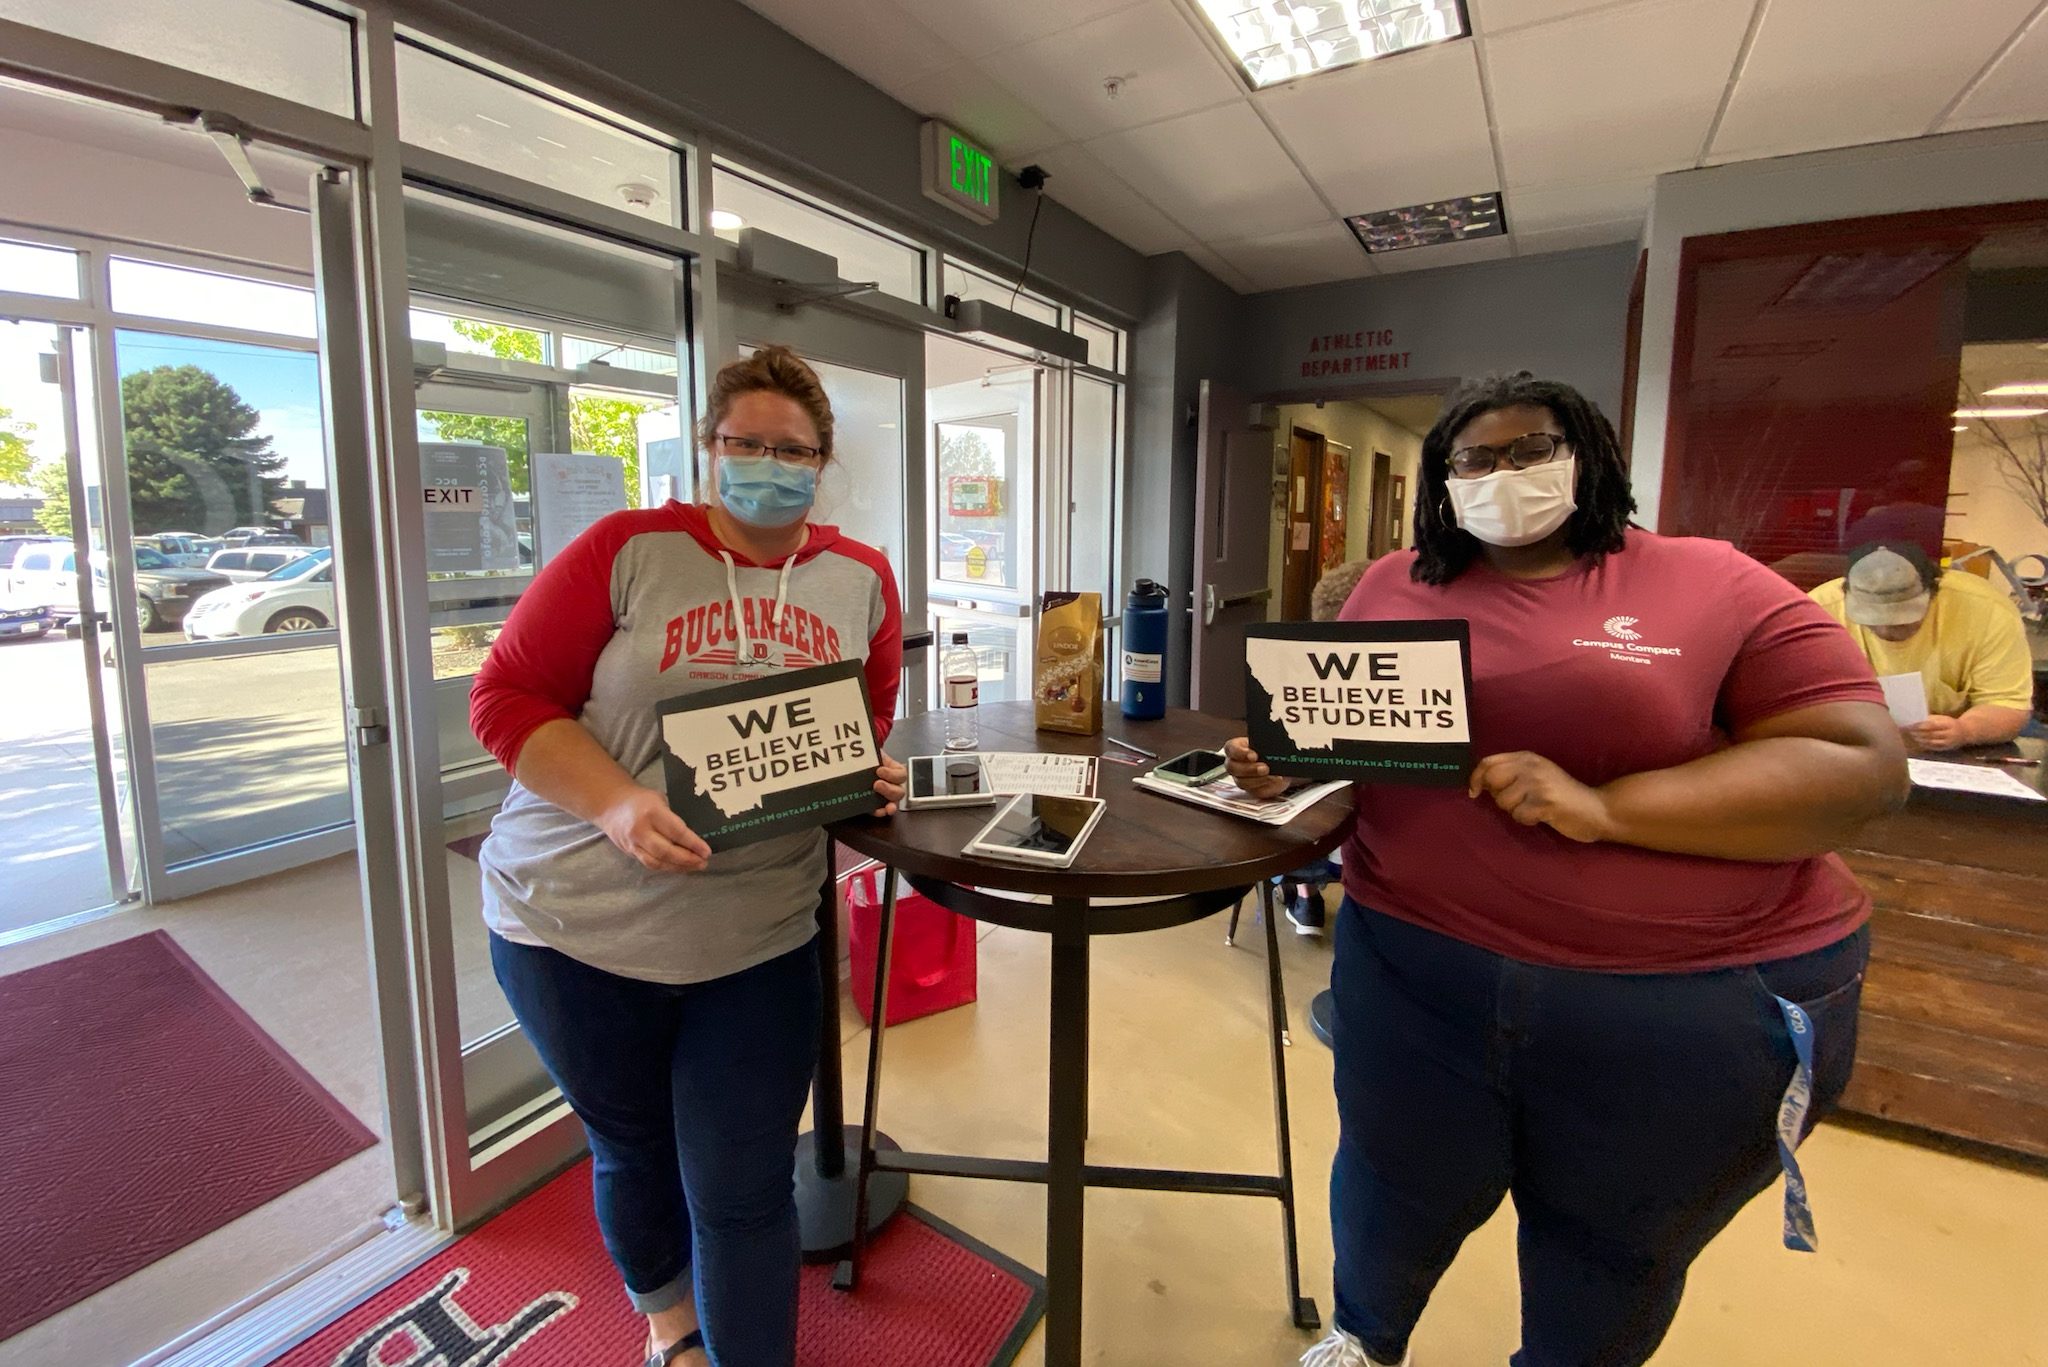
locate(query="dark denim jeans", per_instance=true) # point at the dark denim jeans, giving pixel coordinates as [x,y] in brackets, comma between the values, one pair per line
[1629,1115]
[691,1096]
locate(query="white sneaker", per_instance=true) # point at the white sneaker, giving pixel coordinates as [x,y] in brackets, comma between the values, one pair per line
[1343,1350]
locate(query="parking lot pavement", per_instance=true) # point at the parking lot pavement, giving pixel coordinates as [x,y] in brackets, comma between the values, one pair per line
[248,749]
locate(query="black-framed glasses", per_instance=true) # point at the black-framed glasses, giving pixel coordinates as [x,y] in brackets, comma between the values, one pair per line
[746,448]
[1475,462]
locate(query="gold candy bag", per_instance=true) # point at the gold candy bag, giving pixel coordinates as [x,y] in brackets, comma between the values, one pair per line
[1067,684]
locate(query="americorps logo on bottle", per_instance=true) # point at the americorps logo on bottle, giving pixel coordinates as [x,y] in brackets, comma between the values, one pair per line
[1625,644]
[1142,668]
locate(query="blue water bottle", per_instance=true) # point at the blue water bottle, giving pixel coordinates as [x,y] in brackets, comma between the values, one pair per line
[1145,651]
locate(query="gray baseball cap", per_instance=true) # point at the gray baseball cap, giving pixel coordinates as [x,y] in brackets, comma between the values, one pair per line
[1886,588]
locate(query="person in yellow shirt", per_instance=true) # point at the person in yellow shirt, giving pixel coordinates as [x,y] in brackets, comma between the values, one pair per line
[1963,638]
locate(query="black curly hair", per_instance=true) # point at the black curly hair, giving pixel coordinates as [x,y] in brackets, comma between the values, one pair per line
[1443,549]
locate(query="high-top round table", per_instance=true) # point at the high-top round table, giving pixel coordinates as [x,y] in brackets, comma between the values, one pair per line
[1186,862]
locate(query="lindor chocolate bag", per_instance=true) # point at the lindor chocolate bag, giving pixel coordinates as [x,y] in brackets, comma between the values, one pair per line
[1067,684]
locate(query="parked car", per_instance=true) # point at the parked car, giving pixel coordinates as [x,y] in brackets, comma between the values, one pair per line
[19,618]
[12,546]
[254,562]
[47,575]
[297,597]
[181,548]
[241,536]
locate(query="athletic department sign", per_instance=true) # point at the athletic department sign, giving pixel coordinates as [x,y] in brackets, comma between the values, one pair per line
[1383,702]
[772,755]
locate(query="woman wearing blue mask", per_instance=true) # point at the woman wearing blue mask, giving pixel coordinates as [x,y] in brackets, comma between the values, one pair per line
[672,992]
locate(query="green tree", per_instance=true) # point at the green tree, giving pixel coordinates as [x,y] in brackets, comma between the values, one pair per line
[14,453]
[195,459]
[508,433]
[53,482]
[507,343]
[608,425]
[963,452]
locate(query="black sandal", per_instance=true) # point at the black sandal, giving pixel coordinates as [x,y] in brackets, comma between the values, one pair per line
[664,1356]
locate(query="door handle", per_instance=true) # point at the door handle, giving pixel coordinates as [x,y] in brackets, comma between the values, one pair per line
[1208,605]
[1211,604]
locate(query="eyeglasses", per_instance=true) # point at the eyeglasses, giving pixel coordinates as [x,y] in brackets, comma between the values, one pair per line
[1476,462]
[746,448]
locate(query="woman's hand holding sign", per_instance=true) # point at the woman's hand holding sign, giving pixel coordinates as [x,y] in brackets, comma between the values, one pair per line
[890,778]
[640,822]
[1535,792]
[1247,772]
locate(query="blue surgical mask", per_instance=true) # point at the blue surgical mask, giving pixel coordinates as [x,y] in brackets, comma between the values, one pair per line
[766,492]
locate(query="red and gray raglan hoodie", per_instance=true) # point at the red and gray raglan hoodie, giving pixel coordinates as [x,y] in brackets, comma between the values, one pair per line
[643,607]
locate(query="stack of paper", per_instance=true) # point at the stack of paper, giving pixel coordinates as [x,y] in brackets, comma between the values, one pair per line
[1221,795]
[1970,778]
[1024,771]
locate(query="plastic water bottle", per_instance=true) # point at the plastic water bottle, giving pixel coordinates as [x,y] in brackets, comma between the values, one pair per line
[963,692]
[1145,651]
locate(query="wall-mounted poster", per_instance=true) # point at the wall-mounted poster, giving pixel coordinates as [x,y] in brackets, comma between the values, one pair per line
[974,495]
[471,523]
[773,755]
[570,492]
[1381,702]
[1333,527]
[1397,513]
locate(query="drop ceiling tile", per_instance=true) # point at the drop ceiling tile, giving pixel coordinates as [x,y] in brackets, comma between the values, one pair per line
[980,27]
[1499,16]
[1218,173]
[1570,239]
[1165,69]
[1621,92]
[1218,267]
[2014,91]
[982,108]
[1449,254]
[1822,76]
[1545,208]
[1360,158]
[1081,182]
[1306,256]
[874,39]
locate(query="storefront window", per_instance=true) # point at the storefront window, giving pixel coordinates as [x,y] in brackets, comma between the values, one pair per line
[744,199]
[27,268]
[448,106]
[965,282]
[150,289]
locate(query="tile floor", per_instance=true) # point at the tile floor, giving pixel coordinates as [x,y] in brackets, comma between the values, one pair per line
[1927,1257]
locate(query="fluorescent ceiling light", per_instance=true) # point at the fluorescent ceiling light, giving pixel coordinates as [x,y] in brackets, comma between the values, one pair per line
[1960,427]
[2017,390]
[1430,225]
[726,221]
[1280,40]
[2000,412]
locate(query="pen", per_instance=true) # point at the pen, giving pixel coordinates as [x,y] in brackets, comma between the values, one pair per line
[1134,749]
[2015,759]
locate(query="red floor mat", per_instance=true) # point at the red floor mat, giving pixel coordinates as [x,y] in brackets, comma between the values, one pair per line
[533,1288]
[139,1110]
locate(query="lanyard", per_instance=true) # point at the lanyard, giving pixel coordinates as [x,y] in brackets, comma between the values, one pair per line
[1799,1233]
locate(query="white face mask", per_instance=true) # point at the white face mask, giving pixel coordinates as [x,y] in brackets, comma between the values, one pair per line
[1516,507]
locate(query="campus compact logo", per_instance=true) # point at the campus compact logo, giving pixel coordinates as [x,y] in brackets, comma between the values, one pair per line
[435,1331]
[1624,643]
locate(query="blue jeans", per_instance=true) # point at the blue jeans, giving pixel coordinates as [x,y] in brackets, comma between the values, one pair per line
[1629,1115]
[691,1096]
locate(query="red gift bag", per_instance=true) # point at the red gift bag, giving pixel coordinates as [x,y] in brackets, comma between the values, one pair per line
[933,965]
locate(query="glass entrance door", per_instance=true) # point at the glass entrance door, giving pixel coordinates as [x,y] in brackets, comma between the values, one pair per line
[873,372]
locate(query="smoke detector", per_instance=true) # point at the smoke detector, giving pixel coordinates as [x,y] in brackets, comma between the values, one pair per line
[636,194]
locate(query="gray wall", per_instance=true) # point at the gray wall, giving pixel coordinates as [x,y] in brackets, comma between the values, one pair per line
[1563,316]
[1191,331]
[719,66]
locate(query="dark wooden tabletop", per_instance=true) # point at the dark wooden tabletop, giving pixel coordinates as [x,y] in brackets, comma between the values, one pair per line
[1145,845]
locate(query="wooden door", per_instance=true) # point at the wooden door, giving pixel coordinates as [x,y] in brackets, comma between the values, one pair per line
[1381,539]
[1233,530]
[1298,566]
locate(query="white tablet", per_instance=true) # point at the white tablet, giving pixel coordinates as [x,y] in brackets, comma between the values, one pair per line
[948,781]
[1033,828]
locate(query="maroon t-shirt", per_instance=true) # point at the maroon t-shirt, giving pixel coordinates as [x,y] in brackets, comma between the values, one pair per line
[1650,658]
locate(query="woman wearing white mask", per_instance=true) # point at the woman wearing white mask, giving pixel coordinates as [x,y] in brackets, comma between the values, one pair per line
[1584,981]
[672,992]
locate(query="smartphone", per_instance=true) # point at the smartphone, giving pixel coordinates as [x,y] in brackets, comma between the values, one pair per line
[1033,828]
[1196,766]
[948,781]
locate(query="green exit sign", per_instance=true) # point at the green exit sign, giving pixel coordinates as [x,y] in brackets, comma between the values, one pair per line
[961,173]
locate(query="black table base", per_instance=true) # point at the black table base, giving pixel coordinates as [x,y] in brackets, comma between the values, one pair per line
[1066,1174]
[827,1203]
